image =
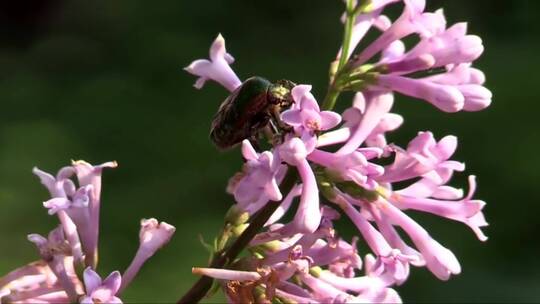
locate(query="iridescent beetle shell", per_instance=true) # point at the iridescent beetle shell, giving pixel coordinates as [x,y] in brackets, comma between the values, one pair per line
[249,109]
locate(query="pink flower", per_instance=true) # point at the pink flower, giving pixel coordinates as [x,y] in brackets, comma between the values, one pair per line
[54,244]
[367,121]
[366,20]
[153,236]
[361,173]
[411,20]
[469,82]
[34,282]
[439,260]
[352,167]
[466,210]
[438,47]
[389,122]
[366,114]
[101,291]
[423,155]
[444,97]
[451,46]
[54,279]
[308,215]
[57,253]
[259,178]
[79,199]
[217,68]
[59,186]
[77,209]
[307,118]
[225,274]
[389,260]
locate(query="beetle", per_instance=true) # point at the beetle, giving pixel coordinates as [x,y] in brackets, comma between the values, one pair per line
[253,107]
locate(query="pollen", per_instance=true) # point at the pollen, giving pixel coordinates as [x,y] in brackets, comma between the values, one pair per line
[313,124]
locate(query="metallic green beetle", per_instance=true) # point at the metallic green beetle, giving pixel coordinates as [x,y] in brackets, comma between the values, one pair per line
[255,105]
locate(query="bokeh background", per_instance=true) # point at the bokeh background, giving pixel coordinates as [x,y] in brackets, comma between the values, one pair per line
[102,80]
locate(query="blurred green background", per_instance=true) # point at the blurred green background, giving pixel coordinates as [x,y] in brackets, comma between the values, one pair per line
[102,80]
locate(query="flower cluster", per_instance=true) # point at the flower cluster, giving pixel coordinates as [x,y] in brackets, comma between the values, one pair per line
[345,166]
[66,272]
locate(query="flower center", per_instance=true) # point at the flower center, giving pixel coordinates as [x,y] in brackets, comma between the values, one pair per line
[313,124]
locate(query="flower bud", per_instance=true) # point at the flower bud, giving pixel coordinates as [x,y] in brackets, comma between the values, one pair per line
[154,235]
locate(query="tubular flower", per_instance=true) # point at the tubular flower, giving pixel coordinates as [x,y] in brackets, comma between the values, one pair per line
[439,46]
[73,245]
[101,291]
[217,68]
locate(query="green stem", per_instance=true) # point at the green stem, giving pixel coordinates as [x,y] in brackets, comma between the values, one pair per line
[331,97]
[333,90]
[347,33]
[221,259]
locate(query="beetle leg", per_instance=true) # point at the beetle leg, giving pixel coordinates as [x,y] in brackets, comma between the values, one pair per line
[254,142]
[273,127]
[277,136]
[283,127]
[269,132]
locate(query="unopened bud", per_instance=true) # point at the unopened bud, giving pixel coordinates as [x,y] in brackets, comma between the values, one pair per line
[235,216]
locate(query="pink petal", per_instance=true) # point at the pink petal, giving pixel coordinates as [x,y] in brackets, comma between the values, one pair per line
[47,180]
[292,117]
[333,137]
[86,300]
[225,274]
[477,97]
[299,91]
[56,204]
[272,190]
[91,280]
[309,103]
[444,97]
[329,120]
[378,104]
[308,216]
[248,151]
[447,193]
[113,282]
[446,147]
[217,50]
[394,51]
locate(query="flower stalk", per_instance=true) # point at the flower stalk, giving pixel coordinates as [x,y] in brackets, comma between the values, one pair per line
[223,258]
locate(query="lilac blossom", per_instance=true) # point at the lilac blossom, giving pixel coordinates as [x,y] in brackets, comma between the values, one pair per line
[369,127]
[77,209]
[439,260]
[338,165]
[438,47]
[308,215]
[217,68]
[355,168]
[34,282]
[444,201]
[305,260]
[101,291]
[152,236]
[58,255]
[307,118]
[364,117]
[258,181]
[423,155]
[73,245]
